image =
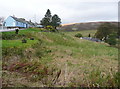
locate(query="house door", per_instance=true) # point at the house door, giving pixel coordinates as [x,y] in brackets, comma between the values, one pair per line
[26,26]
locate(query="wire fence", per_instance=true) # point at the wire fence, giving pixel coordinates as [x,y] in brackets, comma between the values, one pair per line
[2,28]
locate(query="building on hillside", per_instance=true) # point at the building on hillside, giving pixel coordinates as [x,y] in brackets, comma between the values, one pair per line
[13,22]
[39,26]
[91,39]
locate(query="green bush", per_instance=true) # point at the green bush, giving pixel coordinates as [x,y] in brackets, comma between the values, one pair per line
[50,28]
[117,78]
[24,41]
[78,35]
[104,30]
[12,36]
[16,31]
[112,39]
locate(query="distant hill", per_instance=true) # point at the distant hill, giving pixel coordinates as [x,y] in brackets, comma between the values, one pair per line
[83,26]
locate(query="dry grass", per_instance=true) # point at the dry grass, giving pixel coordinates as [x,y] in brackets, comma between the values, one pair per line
[72,62]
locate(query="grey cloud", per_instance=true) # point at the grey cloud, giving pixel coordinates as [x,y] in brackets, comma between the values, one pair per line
[69,10]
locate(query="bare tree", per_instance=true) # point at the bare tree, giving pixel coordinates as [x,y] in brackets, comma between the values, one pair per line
[1,20]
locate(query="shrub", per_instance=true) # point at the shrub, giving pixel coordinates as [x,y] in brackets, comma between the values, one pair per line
[24,41]
[112,39]
[12,36]
[78,35]
[50,28]
[117,78]
[89,35]
[16,31]
[104,30]
[31,38]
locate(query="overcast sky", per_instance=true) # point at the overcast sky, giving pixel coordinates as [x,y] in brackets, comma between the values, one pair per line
[70,11]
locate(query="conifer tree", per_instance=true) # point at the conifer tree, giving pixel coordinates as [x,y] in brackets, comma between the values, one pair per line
[56,21]
[50,20]
[47,19]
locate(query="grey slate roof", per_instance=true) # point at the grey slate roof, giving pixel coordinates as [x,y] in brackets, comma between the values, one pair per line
[31,23]
[22,20]
[92,39]
[19,19]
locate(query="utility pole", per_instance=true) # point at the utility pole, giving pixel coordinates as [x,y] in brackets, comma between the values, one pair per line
[2,21]
[2,25]
[35,18]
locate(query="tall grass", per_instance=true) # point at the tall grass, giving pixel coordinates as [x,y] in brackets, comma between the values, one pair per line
[85,63]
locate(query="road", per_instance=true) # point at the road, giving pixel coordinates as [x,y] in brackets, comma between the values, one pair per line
[8,30]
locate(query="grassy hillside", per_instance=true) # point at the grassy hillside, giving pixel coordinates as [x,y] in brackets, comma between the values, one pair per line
[84,33]
[57,59]
[83,26]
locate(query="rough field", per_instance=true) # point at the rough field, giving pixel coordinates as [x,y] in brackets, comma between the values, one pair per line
[57,59]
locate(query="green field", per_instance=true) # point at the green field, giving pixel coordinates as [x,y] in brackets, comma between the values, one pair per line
[57,59]
[17,43]
[85,33]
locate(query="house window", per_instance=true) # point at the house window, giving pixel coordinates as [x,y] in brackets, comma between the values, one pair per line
[13,23]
